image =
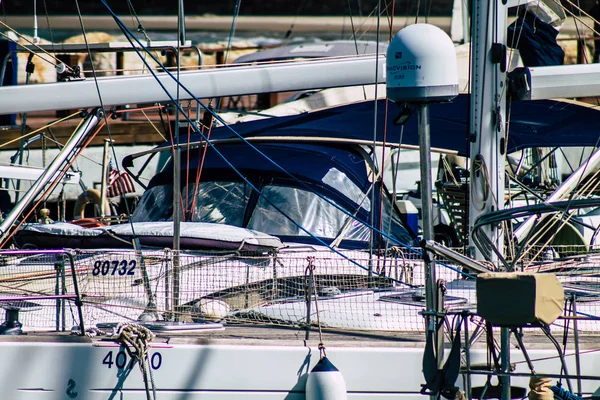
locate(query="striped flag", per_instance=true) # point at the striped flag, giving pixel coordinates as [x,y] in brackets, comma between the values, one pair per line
[119,182]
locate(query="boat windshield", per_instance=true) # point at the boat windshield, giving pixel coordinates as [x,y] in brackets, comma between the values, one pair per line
[280,210]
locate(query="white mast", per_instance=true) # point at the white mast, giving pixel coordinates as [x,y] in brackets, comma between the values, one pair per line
[487,134]
[488,116]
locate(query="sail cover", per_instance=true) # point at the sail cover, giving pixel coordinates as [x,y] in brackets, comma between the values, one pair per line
[541,123]
[536,41]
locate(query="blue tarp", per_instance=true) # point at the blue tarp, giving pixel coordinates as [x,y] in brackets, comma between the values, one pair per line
[541,123]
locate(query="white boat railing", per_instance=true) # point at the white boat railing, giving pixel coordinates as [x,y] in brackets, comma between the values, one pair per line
[33,280]
[265,288]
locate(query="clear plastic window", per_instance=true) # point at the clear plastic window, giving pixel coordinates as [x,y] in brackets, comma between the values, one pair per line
[307,209]
[219,202]
[340,182]
[155,205]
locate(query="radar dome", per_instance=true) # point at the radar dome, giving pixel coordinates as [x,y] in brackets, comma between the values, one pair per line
[421,65]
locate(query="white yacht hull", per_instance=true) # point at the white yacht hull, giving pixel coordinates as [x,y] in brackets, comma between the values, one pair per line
[53,370]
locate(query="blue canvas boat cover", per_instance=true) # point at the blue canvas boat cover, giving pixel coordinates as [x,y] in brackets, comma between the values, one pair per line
[540,123]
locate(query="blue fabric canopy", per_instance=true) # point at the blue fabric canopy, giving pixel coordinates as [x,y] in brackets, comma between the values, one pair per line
[541,123]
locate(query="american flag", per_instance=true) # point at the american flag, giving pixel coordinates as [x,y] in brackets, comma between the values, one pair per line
[119,182]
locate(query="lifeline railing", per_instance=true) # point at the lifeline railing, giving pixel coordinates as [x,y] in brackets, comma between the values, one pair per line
[32,280]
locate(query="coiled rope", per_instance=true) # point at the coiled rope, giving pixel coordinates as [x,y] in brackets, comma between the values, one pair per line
[136,340]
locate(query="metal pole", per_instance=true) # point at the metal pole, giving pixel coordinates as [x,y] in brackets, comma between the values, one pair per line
[181,23]
[465,22]
[426,199]
[467,358]
[103,186]
[576,338]
[431,290]
[177,178]
[505,363]
[88,124]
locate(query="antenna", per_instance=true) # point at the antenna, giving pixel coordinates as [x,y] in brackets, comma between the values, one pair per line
[36,39]
[421,66]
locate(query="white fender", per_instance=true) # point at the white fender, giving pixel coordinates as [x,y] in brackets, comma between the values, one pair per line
[325,382]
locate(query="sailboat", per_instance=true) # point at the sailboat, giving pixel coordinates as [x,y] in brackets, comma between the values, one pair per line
[246,311]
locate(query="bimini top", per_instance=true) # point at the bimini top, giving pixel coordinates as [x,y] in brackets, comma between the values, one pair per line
[541,123]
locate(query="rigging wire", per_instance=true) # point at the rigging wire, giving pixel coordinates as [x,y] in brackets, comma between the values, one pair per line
[187,211]
[380,168]
[563,214]
[26,135]
[417,12]
[355,40]
[134,15]
[353,37]
[395,170]
[143,111]
[49,27]
[41,50]
[365,20]
[236,12]
[201,149]
[288,34]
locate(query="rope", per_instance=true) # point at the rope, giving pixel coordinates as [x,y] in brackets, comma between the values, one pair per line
[40,129]
[310,269]
[479,166]
[93,332]
[137,337]
[540,388]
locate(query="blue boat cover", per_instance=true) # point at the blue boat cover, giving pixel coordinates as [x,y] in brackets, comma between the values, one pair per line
[540,123]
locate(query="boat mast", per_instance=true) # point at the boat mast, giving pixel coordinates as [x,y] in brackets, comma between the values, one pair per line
[487,134]
[488,116]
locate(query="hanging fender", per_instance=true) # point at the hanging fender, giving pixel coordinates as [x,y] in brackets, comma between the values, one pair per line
[86,197]
[325,382]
